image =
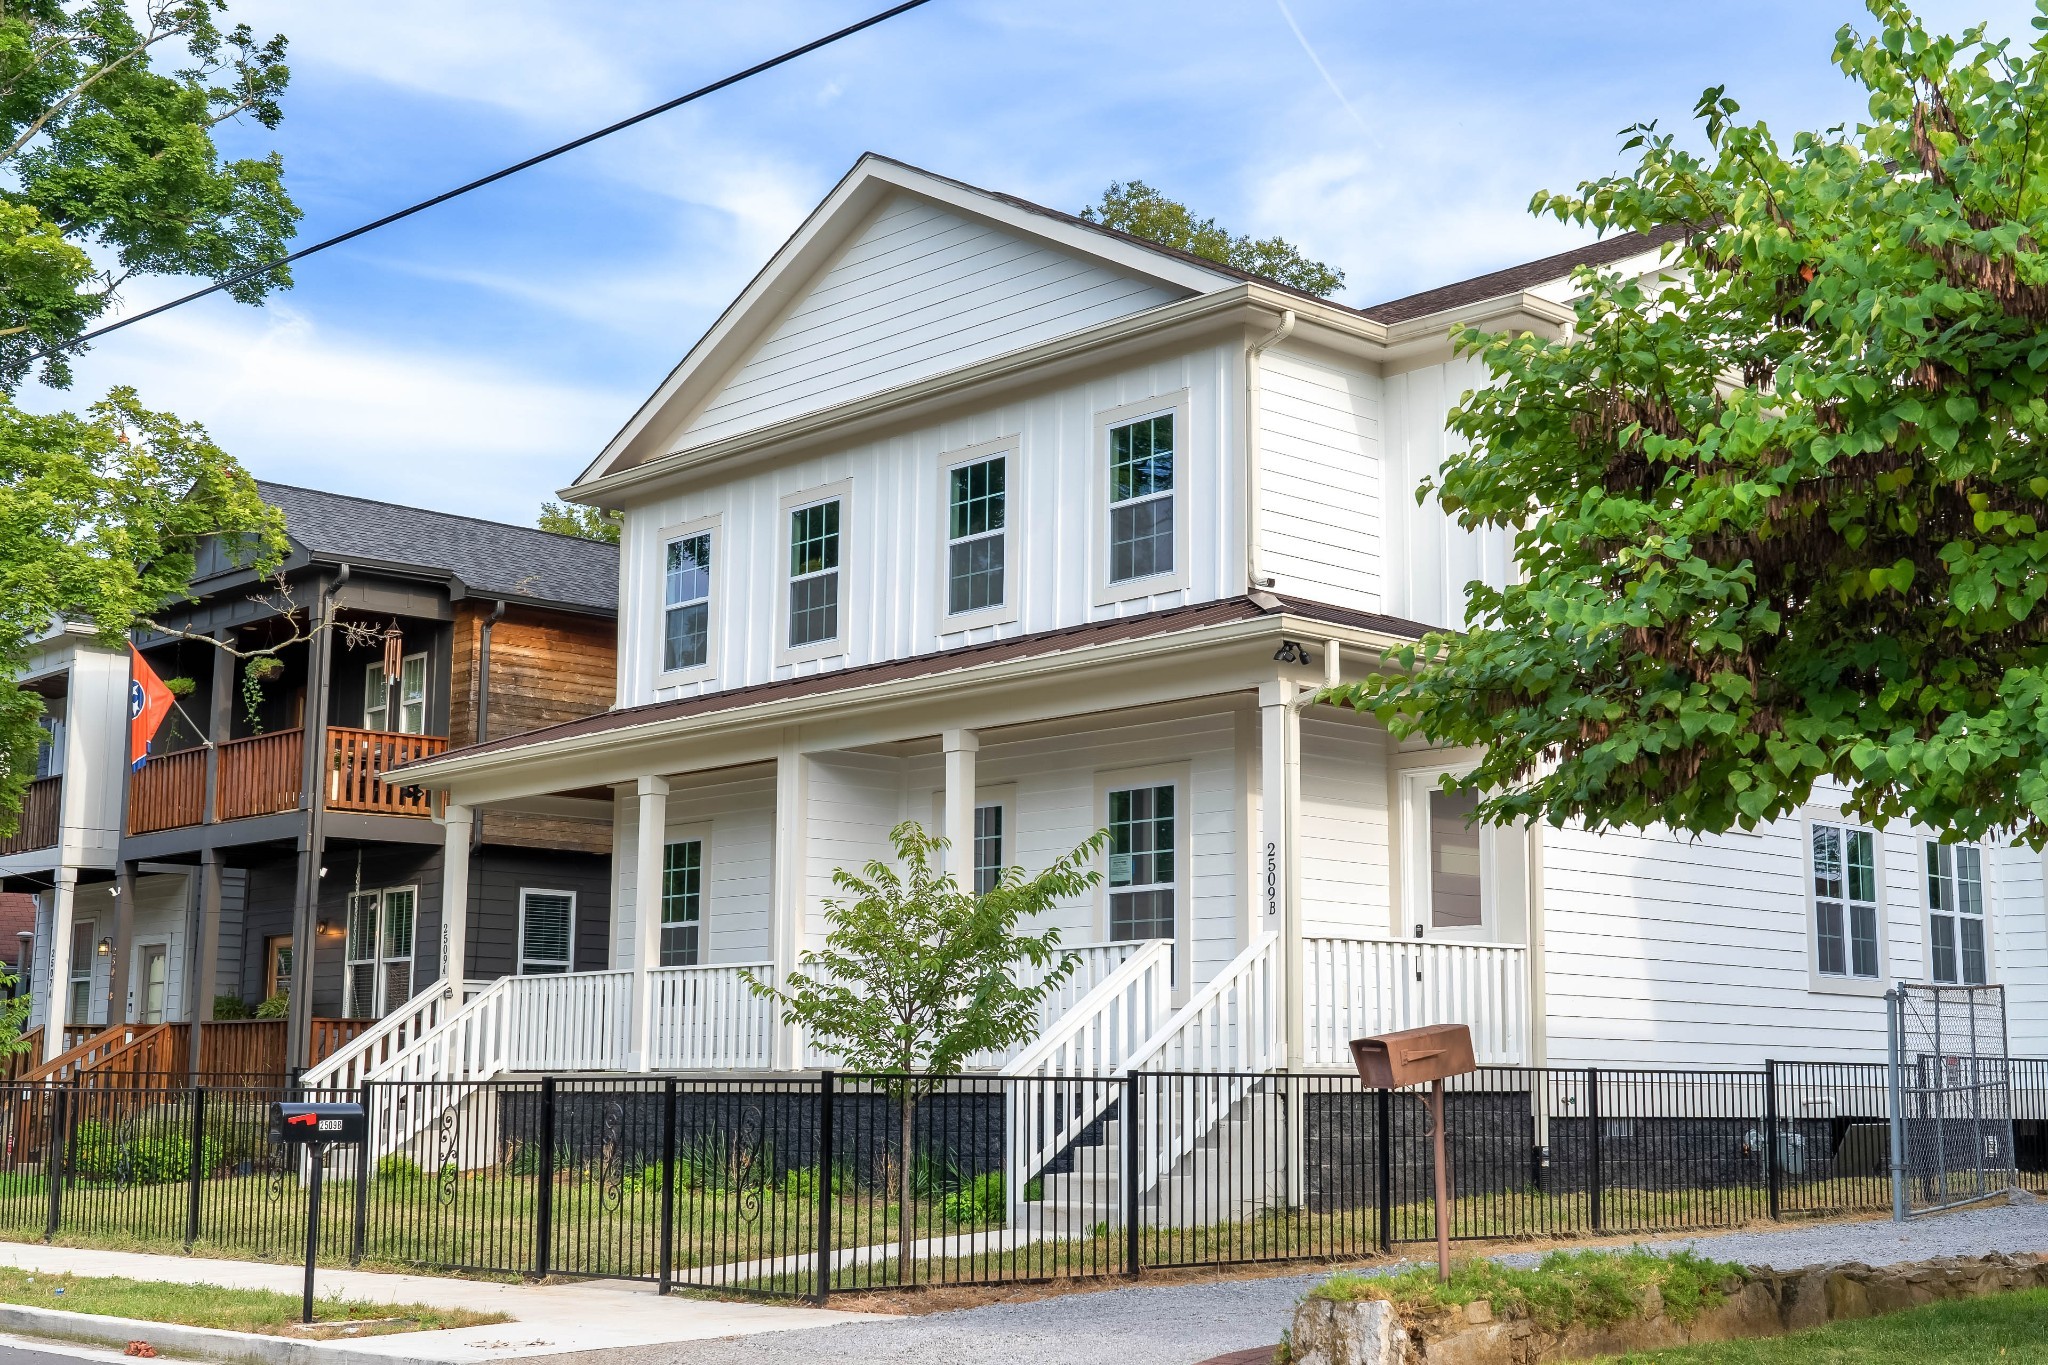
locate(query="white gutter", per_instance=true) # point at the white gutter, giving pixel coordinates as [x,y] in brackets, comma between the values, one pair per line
[1254,405]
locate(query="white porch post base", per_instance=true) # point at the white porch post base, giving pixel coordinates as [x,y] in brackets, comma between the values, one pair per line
[647,865]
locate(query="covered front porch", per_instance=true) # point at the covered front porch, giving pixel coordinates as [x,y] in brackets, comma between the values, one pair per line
[1230,931]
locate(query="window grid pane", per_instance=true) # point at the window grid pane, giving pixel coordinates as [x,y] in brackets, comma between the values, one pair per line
[1955,915]
[1140,498]
[1844,865]
[1141,539]
[682,902]
[1141,867]
[988,848]
[687,598]
[814,574]
[544,925]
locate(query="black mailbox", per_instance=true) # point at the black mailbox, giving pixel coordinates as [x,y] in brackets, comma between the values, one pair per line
[296,1124]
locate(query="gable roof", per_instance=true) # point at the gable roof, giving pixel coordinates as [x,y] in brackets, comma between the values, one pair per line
[488,558]
[1528,275]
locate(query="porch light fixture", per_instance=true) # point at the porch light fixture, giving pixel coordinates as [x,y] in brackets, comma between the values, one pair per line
[106,946]
[1292,652]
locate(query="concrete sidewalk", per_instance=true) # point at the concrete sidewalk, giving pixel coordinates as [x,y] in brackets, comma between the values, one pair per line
[547,1320]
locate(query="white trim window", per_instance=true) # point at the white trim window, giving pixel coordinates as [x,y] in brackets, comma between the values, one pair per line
[1957,951]
[1142,848]
[988,847]
[79,986]
[1843,860]
[378,952]
[412,696]
[977,496]
[1141,498]
[686,602]
[682,903]
[814,545]
[547,932]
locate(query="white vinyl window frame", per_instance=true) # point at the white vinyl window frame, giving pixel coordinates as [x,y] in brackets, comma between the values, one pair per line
[411,697]
[1180,777]
[1173,404]
[1413,788]
[847,569]
[1849,983]
[82,973]
[384,955]
[552,966]
[712,527]
[1954,882]
[1007,449]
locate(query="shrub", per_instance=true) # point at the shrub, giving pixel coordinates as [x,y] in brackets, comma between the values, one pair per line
[1563,1289]
[230,1007]
[275,1007]
[398,1169]
[979,1201]
[801,1182]
[136,1155]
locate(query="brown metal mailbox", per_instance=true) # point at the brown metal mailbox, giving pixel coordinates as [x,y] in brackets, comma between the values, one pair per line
[1413,1056]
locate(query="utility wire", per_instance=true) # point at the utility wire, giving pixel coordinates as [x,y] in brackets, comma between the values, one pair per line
[495,176]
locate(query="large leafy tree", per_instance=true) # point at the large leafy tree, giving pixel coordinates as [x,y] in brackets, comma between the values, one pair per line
[1780,514]
[585,523]
[1135,207]
[918,975]
[109,170]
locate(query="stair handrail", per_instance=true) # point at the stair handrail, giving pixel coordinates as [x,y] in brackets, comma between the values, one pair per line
[344,1069]
[474,1035]
[86,1053]
[1108,1023]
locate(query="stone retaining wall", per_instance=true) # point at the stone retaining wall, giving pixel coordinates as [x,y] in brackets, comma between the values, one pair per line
[1764,1302]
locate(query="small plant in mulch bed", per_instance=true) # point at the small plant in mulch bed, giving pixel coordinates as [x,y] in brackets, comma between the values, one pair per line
[1564,1289]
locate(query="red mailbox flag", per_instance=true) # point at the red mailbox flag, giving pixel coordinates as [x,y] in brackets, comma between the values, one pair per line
[148,700]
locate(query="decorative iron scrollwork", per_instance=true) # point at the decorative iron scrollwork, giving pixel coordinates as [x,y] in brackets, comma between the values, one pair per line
[750,1159]
[611,1156]
[445,1151]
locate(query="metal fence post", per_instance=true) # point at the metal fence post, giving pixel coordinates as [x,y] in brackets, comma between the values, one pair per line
[1895,1095]
[59,1102]
[666,1274]
[544,1200]
[827,1088]
[1771,1181]
[366,1171]
[1385,1173]
[1594,1175]
[1132,1251]
[198,1165]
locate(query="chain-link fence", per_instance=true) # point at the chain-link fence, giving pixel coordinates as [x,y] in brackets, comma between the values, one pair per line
[1952,1098]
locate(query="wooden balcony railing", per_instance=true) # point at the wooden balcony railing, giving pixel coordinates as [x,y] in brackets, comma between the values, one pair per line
[260,775]
[169,791]
[357,761]
[40,808]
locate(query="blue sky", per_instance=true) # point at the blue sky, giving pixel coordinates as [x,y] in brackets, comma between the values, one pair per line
[474,358]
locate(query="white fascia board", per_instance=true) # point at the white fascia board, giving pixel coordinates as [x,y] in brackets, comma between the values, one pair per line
[769,294]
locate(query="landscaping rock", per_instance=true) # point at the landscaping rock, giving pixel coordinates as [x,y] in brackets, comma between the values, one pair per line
[1362,1333]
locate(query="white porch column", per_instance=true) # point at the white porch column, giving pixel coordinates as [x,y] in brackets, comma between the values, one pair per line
[647,869]
[786,923]
[461,821]
[1279,882]
[961,746]
[57,1004]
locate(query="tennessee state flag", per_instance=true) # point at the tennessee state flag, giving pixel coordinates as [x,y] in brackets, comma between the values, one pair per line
[148,700]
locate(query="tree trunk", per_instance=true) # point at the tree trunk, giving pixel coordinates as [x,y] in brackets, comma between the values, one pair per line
[904,1220]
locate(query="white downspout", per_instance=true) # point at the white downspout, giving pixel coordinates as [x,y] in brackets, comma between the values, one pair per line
[1253,406]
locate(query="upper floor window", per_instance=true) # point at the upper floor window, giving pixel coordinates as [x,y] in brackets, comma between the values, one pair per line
[410,699]
[976,496]
[686,603]
[814,573]
[1955,914]
[49,745]
[1141,494]
[1141,862]
[1844,861]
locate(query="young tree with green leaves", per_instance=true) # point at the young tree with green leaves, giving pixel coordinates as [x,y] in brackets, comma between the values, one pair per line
[1135,207]
[1781,514]
[917,975]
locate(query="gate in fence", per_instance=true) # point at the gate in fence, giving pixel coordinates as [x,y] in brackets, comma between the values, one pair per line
[1951,1105]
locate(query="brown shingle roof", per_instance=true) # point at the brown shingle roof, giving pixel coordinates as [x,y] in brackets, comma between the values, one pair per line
[1038,643]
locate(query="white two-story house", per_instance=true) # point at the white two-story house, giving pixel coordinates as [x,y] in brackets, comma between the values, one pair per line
[970,512]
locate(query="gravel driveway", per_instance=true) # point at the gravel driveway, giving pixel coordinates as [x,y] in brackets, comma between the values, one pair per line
[1180,1324]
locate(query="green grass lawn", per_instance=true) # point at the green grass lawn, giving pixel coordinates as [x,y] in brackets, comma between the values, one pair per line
[235,1310]
[2007,1329]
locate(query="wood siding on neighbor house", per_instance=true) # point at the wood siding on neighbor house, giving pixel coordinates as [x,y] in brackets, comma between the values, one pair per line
[922,289]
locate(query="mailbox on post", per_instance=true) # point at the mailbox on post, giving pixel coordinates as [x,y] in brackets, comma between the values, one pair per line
[1422,1056]
[314,1126]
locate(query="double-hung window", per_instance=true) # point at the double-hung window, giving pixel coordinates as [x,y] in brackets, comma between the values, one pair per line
[976,523]
[1141,493]
[411,710]
[1955,914]
[1141,862]
[686,602]
[547,926]
[814,574]
[682,902]
[988,848]
[1844,863]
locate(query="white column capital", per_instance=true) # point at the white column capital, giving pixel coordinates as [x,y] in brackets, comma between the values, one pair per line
[650,785]
[1278,691]
[960,741]
[453,813]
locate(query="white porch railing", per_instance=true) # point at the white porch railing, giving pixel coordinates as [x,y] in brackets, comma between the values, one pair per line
[708,1018]
[349,1066]
[1230,1027]
[1357,987]
[576,1021]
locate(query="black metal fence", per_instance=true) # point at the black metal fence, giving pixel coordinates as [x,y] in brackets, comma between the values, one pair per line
[810,1185]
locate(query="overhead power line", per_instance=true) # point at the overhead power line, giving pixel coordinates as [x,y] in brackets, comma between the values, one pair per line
[267,267]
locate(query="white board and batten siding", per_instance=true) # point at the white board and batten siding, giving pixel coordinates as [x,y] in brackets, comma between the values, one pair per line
[1322,479]
[1435,557]
[920,290]
[890,591]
